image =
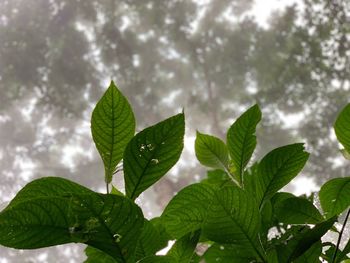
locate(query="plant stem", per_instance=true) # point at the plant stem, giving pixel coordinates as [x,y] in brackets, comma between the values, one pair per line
[340,236]
[107,188]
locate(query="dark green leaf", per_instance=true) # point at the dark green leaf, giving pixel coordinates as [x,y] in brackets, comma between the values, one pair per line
[183,249]
[335,196]
[112,127]
[278,168]
[241,139]
[297,210]
[95,255]
[186,212]
[342,127]
[298,244]
[52,211]
[233,217]
[151,153]
[311,255]
[157,259]
[227,253]
[211,151]
[150,241]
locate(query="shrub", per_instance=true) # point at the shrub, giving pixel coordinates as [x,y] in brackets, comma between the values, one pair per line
[237,211]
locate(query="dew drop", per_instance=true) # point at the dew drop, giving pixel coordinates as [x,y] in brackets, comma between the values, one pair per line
[117,237]
[222,247]
[71,230]
[142,147]
[150,147]
[155,161]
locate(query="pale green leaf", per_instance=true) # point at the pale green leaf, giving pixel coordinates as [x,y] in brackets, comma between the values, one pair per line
[241,139]
[53,211]
[211,151]
[277,169]
[186,212]
[112,127]
[335,196]
[151,153]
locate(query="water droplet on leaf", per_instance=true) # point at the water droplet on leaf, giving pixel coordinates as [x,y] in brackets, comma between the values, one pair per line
[155,161]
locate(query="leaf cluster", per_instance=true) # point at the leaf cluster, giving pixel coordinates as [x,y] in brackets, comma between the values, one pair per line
[238,212]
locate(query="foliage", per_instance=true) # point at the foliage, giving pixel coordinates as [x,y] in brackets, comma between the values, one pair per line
[233,212]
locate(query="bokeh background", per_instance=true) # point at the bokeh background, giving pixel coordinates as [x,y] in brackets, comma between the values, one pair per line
[214,58]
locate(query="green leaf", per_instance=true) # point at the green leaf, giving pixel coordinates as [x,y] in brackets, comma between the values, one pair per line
[278,168]
[335,196]
[151,153]
[95,255]
[211,151]
[157,259]
[52,211]
[112,127]
[183,249]
[342,127]
[186,212]
[227,253]
[302,242]
[343,254]
[241,139]
[297,210]
[216,177]
[311,255]
[115,191]
[233,217]
[150,241]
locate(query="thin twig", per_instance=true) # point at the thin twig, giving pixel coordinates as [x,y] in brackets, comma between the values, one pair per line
[340,236]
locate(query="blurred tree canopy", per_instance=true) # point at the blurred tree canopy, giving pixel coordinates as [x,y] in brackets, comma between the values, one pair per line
[210,57]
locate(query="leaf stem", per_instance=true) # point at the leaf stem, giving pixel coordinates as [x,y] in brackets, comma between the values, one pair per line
[340,236]
[107,188]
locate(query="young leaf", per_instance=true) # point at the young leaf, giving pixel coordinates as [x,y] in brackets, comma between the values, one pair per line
[151,153]
[241,139]
[183,249]
[278,168]
[186,212]
[233,217]
[342,127]
[335,196]
[297,210]
[95,255]
[211,151]
[227,253]
[112,127]
[54,215]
